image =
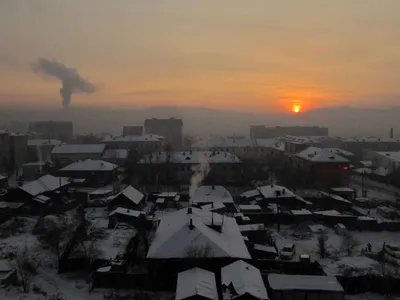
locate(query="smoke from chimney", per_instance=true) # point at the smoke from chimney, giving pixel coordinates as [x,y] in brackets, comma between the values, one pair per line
[71,81]
[200,172]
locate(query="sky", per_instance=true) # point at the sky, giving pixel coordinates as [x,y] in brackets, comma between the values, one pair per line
[256,55]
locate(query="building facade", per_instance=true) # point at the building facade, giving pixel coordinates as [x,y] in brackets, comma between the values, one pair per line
[132,130]
[58,130]
[171,129]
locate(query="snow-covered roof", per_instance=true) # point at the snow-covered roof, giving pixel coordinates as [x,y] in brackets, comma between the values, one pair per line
[213,206]
[342,189]
[249,207]
[134,138]
[245,279]
[190,157]
[271,191]
[331,212]
[116,154]
[301,212]
[391,155]
[174,237]
[126,212]
[44,142]
[41,199]
[90,165]
[46,183]
[317,228]
[283,282]
[5,266]
[168,194]
[103,191]
[194,282]
[252,227]
[316,154]
[131,193]
[340,151]
[104,269]
[12,205]
[78,148]
[160,200]
[2,177]
[211,193]
[250,194]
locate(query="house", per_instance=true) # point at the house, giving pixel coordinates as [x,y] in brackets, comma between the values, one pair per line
[8,275]
[318,167]
[178,166]
[190,231]
[65,154]
[41,191]
[213,194]
[196,284]
[95,172]
[274,194]
[241,280]
[217,207]
[358,145]
[129,216]
[128,198]
[304,287]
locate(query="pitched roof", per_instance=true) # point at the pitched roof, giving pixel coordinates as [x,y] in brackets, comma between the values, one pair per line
[316,154]
[245,279]
[90,165]
[304,283]
[78,148]
[214,194]
[46,183]
[270,191]
[126,212]
[196,281]
[174,237]
[131,193]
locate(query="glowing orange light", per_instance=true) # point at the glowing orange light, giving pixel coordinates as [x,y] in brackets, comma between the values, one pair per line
[296,108]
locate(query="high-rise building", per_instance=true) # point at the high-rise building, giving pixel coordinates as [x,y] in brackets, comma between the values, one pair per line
[57,130]
[170,129]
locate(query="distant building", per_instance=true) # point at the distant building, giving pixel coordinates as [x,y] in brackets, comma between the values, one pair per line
[143,144]
[388,161]
[178,166]
[356,145]
[263,132]
[58,130]
[88,139]
[132,130]
[170,129]
[69,153]
[242,147]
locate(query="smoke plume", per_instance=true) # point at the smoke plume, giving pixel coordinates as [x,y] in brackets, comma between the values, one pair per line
[200,172]
[71,81]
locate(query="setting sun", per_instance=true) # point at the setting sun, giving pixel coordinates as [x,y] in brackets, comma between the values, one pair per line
[296,108]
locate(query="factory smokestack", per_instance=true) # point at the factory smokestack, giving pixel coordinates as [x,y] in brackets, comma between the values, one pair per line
[71,81]
[391,133]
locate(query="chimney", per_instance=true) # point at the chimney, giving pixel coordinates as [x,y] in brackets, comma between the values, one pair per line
[213,187]
[191,226]
[391,133]
[189,211]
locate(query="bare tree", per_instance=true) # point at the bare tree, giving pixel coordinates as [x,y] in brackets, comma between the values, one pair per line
[25,266]
[56,234]
[322,244]
[88,240]
[196,251]
[349,243]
